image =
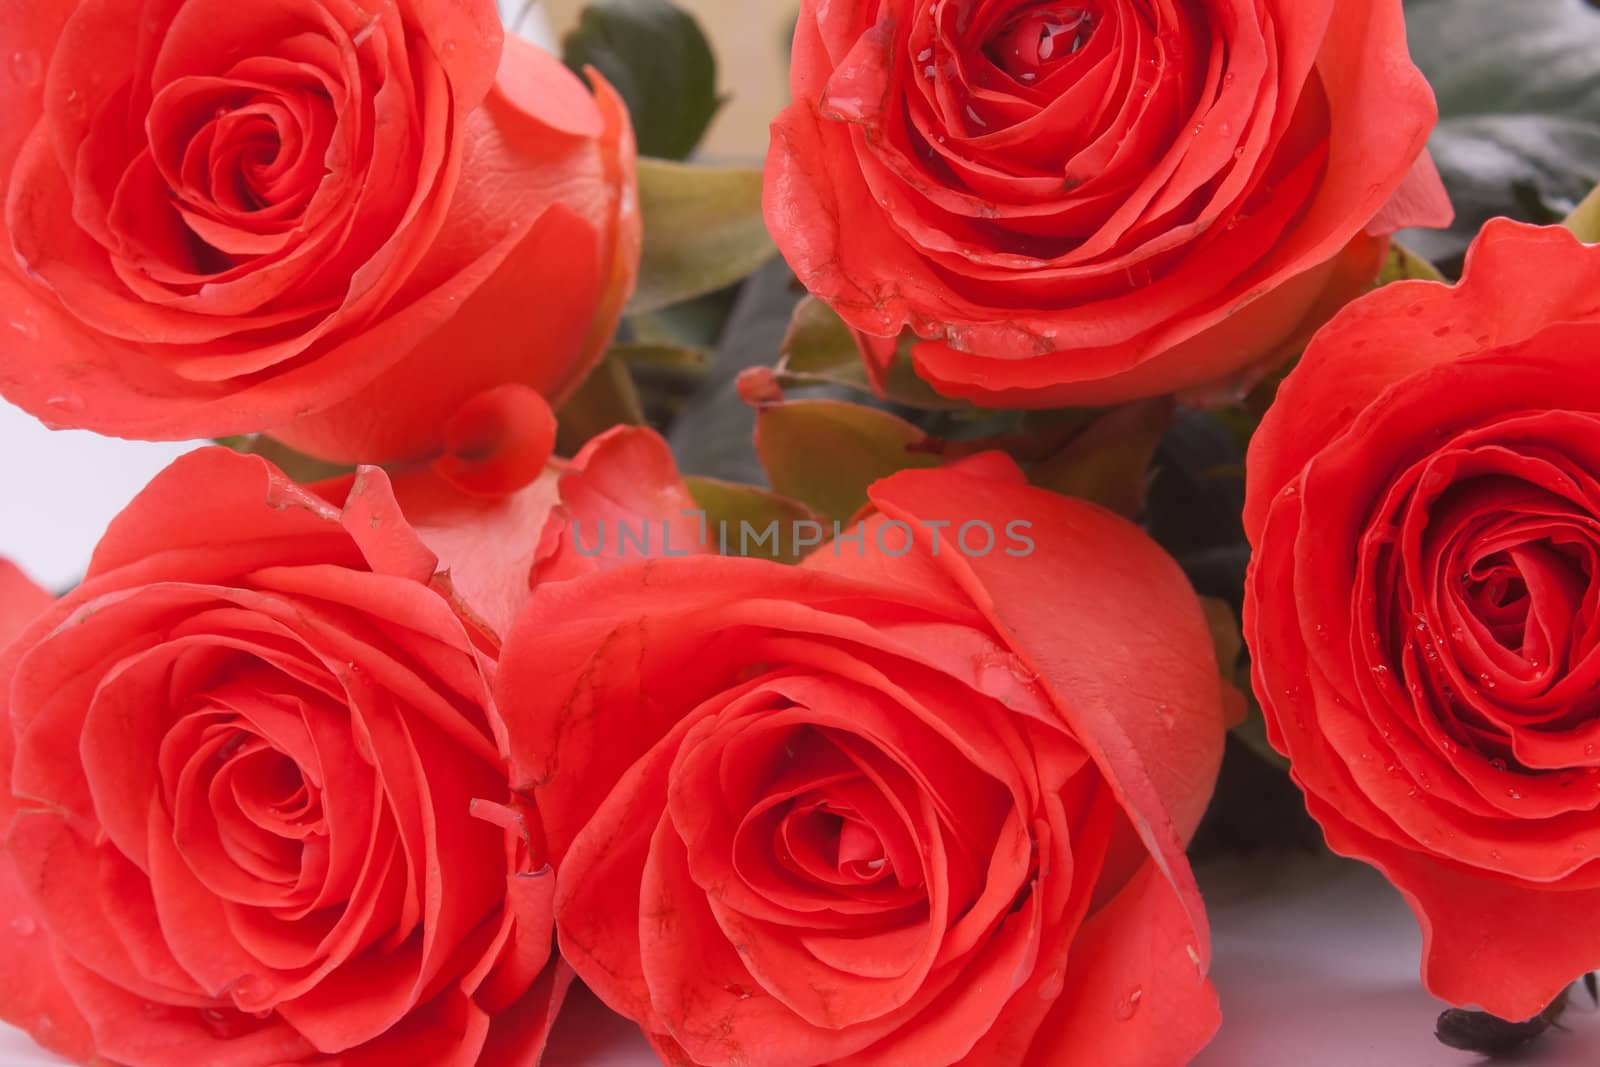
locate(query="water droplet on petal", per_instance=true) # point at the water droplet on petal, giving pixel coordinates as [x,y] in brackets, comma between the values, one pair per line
[26,69]
[24,926]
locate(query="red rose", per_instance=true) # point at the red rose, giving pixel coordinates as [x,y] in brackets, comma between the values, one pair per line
[923,808]
[257,807]
[20,601]
[1424,503]
[1080,203]
[334,223]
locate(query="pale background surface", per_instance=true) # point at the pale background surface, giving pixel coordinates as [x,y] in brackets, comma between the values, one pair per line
[1315,958]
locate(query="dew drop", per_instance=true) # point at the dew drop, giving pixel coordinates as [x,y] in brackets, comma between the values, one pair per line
[26,69]
[24,926]
[65,402]
[25,328]
[924,55]
[1513,794]
[1128,1006]
[1498,764]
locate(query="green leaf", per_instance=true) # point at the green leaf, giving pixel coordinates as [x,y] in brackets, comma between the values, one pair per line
[825,453]
[1519,99]
[1508,56]
[685,358]
[1402,264]
[298,466]
[819,349]
[607,398]
[664,375]
[735,508]
[703,231]
[712,435]
[1109,461]
[1585,218]
[659,61]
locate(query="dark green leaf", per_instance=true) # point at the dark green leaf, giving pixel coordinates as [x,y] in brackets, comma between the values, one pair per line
[1109,461]
[1508,56]
[712,434]
[658,59]
[1535,168]
[607,398]
[297,465]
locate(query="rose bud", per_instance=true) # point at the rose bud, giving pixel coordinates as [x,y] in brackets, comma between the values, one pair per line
[257,808]
[1424,506]
[332,223]
[916,804]
[1076,204]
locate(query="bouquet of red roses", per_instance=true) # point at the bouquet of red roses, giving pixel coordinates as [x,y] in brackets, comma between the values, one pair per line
[1102,426]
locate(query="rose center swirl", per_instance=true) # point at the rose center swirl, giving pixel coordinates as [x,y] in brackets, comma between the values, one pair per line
[1036,38]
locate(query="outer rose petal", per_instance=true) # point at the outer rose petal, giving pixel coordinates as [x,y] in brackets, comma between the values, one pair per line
[1267,326]
[20,600]
[1485,942]
[1134,615]
[1135,992]
[1424,324]
[493,549]
[31,995]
